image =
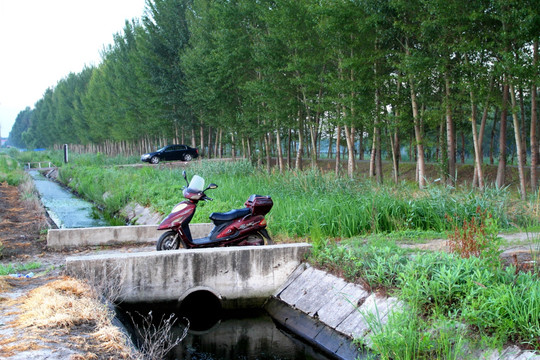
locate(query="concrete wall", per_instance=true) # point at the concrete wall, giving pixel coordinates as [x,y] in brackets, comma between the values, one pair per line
[238,275]
[113,235]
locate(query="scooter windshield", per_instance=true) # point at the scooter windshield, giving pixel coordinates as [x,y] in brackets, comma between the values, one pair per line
[196,184]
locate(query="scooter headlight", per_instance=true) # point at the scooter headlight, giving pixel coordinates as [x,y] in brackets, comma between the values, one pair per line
[179,207]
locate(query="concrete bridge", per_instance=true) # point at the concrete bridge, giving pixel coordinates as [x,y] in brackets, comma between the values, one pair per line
[236,276]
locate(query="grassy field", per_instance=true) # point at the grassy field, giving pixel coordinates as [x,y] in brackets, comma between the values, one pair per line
[303,201]
[455,302]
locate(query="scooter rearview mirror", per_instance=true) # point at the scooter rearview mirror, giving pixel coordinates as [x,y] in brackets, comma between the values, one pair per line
[212,186]
[185,176]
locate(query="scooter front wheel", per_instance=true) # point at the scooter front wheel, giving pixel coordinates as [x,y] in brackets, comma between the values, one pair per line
[169,241]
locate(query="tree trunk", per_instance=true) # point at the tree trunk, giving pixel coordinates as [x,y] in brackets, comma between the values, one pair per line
[330,143]
[443,156]
[289,156]
[279,152]
[477,147]
[421,164]
[492,139]
[300,150]
[372,157]
[450,135]
[233,147]
[522,129]
[267,148]
[501,170]
[481,135]
[523,190]
[361,144]
[377,139]
[338,152]
[349,135]
[209,155]
[193,141]
[394,144]
[534,119]
[462,148]
[201,132]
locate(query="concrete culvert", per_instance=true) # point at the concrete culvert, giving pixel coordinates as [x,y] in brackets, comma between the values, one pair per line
[202,308]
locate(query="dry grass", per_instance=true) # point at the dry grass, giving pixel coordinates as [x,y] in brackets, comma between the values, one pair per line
[70,307]
[32,203]
[4,285]
[61,304]
[13,345]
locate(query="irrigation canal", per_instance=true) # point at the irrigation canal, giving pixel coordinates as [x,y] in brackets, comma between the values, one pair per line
[240,334]
[64,208]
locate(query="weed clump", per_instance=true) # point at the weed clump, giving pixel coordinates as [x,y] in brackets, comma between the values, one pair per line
[475,237]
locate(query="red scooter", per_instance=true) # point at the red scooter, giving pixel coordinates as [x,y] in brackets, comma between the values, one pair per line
[239,227]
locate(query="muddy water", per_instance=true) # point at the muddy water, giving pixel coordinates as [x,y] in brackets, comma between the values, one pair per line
[64,208]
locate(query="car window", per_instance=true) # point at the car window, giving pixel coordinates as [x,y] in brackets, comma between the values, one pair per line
[182,147]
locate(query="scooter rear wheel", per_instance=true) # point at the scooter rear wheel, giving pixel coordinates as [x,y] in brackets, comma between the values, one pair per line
[169,241]
[258,239]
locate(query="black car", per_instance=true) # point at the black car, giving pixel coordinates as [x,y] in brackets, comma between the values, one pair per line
[171,152]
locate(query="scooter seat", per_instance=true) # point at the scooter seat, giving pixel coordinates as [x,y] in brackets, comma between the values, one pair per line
[229,215]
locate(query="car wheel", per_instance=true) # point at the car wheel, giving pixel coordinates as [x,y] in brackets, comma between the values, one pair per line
[188,157]
[154,160]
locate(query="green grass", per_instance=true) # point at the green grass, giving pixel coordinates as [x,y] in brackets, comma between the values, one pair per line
[18,268]
[341,208]
[502,305]
[10,171]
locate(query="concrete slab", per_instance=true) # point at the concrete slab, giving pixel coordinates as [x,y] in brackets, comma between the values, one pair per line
[509,353]
[356,325]
[312,330]
[340,304]
[299,270]
[297,288]
[528,355]
[234,274]
[317,296]
[113,235]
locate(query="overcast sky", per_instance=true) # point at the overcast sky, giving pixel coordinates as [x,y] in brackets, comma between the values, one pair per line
[42,41]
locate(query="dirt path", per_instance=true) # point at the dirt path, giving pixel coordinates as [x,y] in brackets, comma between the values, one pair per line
[22,243]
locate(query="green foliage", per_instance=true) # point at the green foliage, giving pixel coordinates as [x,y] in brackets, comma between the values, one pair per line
[510,309]
[244,70]
[18,268]
[441,291]
[343,208]
[10,171]
[407,336]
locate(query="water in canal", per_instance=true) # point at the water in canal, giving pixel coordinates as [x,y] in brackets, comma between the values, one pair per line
[64,208]
[252,335]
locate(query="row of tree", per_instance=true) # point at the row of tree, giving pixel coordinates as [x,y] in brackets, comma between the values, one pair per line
[276,76]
